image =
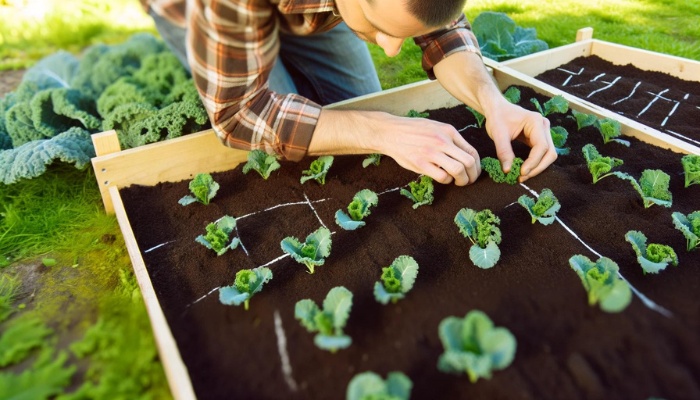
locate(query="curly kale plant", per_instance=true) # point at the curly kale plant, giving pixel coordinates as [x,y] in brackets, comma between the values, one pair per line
[481,228]
[371,386]
[599,166]
[313,251]
[582,119]
[691,169]
[261,162]
[492,166]
[203,187]
[318,170]
[689,225]
[420,192]
[248,282]
[652,187]
[397,280]
[329,321]
[611,130]
[218,235]
[602,282]
[654,257]
[559,136]
[473,345]
[358,209]
[372,159]
[556,104]
[544,209]
[501,38]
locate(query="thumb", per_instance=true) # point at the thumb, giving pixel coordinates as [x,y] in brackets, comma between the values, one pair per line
[504,152]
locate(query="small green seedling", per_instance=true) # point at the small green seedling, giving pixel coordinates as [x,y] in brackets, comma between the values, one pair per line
[654,257]
[420,192]
[218,235]
[248,282]
[313,251]
[480,118]
[203,188]
[691,169]
[473,345]
[416,114]
[544,209]
[602,282]
[372,159]
[318,170]
[358,209]
[261,162]
[493,167]
[512,94]
[371,386]
[652,187]
[611,130]
[397,280]
[330,321]
[583,120]
[556,104]
[689,225]
[599,166]
[481,228]
[559,136]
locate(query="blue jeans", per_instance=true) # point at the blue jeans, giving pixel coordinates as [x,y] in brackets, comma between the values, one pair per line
[326,68]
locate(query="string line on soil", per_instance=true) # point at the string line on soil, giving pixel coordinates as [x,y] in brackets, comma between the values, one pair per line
[645,300]
[202,298]
[571,75]
[314,210]
[158,246]
[655,96]
[609,85]
[675,106]
[629,96]
[284,356]
[281,205]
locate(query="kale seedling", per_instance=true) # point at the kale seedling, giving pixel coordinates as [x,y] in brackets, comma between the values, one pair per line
[598,165]
[602,282]
[248,282]
[544,209]
[397,280]
[203,187]
[556,104]
[357,210]
[481,228]
[318,170]
[559,135]
[583,120]
[654,257]
[691,168]
[480,118]
[217,236]
[512,94]
[473,345]
[611,130]
[313,251]
[371,386]
[261,162]
[420,192]
[372,159]
[652,187]
[416,114]
[492,166]
[689,225]
[330,321]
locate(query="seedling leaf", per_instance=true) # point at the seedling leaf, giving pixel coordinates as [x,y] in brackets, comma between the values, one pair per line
[544,209]
[689,225]
[203,188]
[493,167]
[583,120]
[599,166]
[261,162]
[420,192]
[330,321]
[602,282]
[370,386]
[652,258]
[217,236]
[691,169]
[318,170]
[313,251]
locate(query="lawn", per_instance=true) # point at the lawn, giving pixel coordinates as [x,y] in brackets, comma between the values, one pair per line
[65,275]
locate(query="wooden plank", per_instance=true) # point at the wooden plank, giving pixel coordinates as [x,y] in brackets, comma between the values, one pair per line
[584,34]
[106,142]
[175,369]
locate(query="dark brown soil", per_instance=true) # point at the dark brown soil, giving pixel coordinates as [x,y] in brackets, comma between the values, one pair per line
[566,348]
[658,100]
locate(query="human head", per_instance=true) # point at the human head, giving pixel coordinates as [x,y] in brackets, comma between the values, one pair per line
[434,13]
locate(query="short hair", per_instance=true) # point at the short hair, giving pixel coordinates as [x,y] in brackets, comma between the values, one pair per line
[436,13]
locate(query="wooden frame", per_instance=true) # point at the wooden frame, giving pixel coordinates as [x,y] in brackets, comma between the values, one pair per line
[181,158]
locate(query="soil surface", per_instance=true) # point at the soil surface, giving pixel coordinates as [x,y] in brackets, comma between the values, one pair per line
[658,100]
[566,349]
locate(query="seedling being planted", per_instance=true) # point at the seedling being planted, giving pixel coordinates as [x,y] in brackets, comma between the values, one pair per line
[544,209]
[397,280]
[370,386]
[248,282]
[318,170]
[599,166]
[372,159]
[654,257]
[559,135]
[602,282]
[473,345]
[493,167]
[652,187]
[261,162]
[556,104]
[420,192]
[330,321]
[611,130]
[480,118]
[583,120]
[691,169]
[689,225]
[203,188]
[217,236]
[313,251]
[357,210]
[481,228]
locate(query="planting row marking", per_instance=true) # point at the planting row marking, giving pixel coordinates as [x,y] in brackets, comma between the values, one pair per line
[683,137]
[158,246]
[655,96]
[571,74]
[314,210]
[634,89]
[284,356]
[645,300]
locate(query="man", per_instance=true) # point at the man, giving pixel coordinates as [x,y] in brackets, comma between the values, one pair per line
[264,68]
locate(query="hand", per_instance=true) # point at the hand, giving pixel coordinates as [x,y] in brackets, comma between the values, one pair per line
[509,122]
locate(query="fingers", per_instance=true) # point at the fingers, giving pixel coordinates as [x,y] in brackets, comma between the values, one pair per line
[543,152]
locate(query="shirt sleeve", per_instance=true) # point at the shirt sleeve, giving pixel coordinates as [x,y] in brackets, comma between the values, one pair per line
[232,47]
[454,38]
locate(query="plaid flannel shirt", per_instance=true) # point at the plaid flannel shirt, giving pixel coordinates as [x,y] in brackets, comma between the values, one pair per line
[232,46]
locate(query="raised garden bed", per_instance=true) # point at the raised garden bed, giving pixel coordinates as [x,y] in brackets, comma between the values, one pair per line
[566,349]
